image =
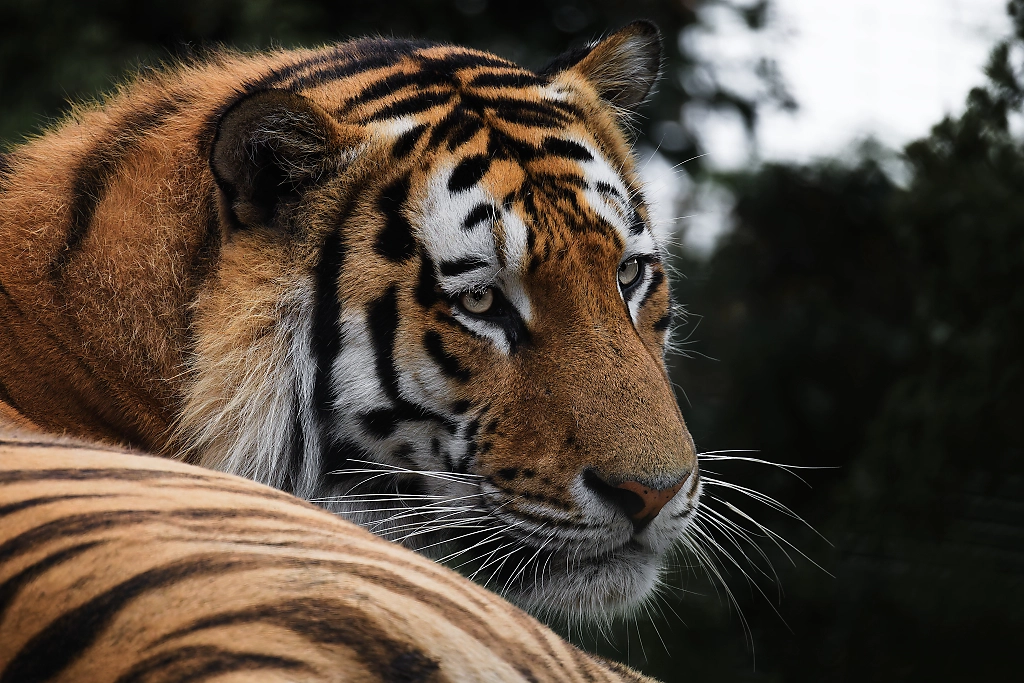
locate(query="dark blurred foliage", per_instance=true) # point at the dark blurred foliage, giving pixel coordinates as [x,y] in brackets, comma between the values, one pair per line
[857,323]
[877,328]
[52,51]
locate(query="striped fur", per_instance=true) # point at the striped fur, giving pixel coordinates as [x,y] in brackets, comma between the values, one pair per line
[117,567]
[260,263]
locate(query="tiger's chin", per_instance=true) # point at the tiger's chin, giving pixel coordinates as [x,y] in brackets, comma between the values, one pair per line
[568,588]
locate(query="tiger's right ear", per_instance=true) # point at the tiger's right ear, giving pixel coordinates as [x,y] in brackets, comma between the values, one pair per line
[622,67]
[268,148]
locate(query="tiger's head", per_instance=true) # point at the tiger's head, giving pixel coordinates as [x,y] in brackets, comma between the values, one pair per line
[441,310]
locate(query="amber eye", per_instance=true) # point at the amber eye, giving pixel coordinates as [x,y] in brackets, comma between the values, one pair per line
[629,271]
[478,303]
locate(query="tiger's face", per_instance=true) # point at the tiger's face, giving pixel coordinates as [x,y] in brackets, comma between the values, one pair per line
[472,363]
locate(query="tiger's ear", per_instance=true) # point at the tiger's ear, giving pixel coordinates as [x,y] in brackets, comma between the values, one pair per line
[268,148]
[622,67]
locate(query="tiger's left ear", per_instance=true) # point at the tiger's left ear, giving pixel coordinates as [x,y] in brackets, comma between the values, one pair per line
[622,67]
[270,147]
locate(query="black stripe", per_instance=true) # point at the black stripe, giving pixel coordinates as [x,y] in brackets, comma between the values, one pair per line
[406,142]
[427,287]
[503,146]
[326,335]
[364,55]
[209,483]
[566,149]
[464,132]
[11,508]
[296,450]
[380,422]
[383,321]
[452,268]
[56,647]
[507,79]
[82,524]
[414,104]
[657,279]
[92,174]
[605,188]
[637,225]
[561,111]
[10,588]
[340,57]
[479,214]
[529,119]
[471,446]
[454,123]
[456,61]
[203,662]
[85,473]
[395,241]
[441,456]
[448,363]
[389,85]
[338,456]
[277,77]
[469,172]
[662,323]
[331,622]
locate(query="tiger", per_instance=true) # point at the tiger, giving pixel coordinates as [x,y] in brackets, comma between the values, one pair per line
[249,584]
[413,283]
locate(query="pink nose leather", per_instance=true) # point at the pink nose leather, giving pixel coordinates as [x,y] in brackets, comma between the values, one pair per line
[654,499]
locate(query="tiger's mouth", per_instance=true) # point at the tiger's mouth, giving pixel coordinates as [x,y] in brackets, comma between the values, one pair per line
[584,571]
[562,579]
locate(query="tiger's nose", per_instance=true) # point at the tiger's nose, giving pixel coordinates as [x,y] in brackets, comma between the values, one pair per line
[639,501]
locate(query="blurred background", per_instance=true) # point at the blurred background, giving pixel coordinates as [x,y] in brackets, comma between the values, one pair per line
[842,189]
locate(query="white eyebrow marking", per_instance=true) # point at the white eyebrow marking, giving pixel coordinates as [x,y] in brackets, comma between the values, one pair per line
[460,238]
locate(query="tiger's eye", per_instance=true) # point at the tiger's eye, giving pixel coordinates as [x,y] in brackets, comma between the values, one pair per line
[629,271]
[478,302]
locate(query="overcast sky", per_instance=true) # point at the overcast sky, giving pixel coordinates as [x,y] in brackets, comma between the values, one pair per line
[890,68]
[886,68]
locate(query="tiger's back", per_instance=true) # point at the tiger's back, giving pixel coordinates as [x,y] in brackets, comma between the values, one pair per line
[117,567]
